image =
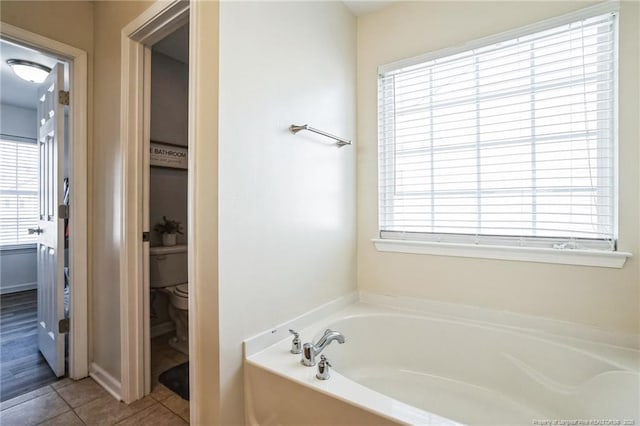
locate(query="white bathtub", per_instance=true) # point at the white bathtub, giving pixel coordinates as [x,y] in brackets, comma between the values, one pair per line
[405,367]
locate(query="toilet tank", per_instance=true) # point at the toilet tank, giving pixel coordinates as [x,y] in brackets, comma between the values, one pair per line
[167,266]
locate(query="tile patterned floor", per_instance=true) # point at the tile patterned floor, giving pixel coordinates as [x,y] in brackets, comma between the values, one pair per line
[164,357]
[84,402]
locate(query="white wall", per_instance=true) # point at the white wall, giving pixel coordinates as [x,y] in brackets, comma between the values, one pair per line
[18,267]
[17,121]
[287,203]
[599,297]
[169,119]
[18,270]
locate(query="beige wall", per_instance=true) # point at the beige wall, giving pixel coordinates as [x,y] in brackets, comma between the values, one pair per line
[105,188]
[53,19]
[600,297]
[287,203]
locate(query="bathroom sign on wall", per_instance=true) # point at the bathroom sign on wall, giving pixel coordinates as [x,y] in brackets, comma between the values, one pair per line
[164,155]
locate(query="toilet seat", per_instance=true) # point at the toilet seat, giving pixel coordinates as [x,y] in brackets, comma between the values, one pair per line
[179,296]
[179,313]
[182,290]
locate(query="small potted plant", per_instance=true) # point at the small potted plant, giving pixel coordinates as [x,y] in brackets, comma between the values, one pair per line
[169,230]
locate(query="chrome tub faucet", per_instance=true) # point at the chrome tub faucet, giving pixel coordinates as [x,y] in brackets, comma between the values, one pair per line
[311,350]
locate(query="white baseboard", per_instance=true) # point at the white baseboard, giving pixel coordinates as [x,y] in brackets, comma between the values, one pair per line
[14,288]
[162,328]
[106,380]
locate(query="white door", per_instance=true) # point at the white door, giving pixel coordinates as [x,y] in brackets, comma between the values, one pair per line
[50,243]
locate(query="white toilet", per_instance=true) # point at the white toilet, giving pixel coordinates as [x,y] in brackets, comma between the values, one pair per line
[168,271]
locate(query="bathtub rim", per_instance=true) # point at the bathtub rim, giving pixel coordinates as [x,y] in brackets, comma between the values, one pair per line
[579,334]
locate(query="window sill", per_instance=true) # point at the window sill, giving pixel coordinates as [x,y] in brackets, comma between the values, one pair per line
[18,247]
[603,259]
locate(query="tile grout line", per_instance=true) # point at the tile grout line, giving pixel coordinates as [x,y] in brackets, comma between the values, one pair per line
[58,392]
[138,412]
[173,411]
[68,405]
[79,406]
[54,390]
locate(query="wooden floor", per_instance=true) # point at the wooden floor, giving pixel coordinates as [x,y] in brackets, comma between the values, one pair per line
[22,367]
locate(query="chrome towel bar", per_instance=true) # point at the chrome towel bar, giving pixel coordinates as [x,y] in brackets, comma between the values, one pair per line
[339,141]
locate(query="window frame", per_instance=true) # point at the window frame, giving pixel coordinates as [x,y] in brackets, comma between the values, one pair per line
[15,246]
[532,248]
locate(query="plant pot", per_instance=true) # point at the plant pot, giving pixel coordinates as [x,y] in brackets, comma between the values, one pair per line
[169,239]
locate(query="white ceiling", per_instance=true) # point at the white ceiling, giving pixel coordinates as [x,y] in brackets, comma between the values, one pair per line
[175,45]
[362,7]
[13,89]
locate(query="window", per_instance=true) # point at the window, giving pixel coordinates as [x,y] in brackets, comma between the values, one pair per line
[18,191]
[511,142]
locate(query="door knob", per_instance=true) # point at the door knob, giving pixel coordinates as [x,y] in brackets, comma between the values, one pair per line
[37,230]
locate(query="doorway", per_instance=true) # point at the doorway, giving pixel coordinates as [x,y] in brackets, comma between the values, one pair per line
[159,20]
[42,246]
[29,360]
[165,201]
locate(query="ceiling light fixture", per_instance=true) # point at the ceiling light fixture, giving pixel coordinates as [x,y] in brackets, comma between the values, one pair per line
[29,71]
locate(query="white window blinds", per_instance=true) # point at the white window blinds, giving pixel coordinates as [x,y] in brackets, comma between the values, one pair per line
[18,191]
[507,143]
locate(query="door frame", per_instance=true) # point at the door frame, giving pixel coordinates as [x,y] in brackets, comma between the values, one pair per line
[78,242]
[137,37]
[158,21]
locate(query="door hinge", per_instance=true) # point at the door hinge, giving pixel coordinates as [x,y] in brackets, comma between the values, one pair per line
[145,237]
[63,211]
[63,97]
[63,326]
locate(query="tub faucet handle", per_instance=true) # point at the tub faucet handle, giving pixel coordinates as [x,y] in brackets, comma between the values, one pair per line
[323,368]
[296,343]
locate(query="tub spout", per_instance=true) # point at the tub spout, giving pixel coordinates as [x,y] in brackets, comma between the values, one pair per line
[311,350]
